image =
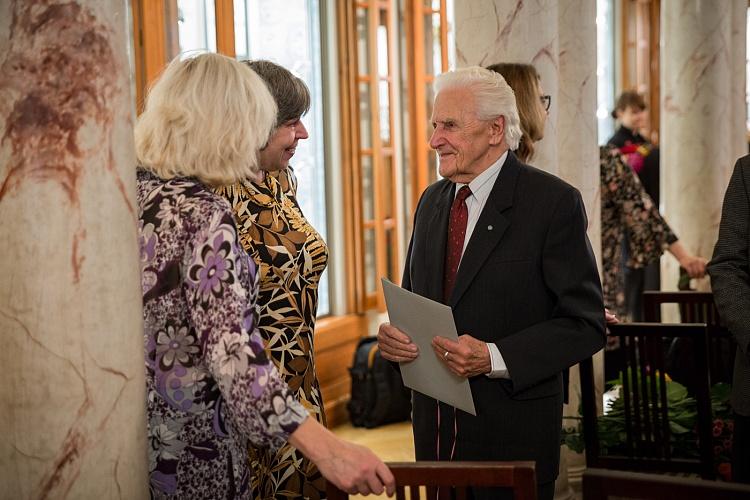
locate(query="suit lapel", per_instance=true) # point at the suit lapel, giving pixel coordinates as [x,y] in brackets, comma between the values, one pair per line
[437,235]
[490,227]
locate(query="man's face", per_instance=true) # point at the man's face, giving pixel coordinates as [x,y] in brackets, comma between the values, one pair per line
[465,145]
[282,145]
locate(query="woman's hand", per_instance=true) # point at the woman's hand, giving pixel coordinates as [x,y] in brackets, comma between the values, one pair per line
[695,266]
[351,467]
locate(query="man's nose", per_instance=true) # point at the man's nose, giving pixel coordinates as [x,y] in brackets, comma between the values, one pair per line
[436,139]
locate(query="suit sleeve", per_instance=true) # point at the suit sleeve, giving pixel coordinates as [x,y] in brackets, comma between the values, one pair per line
[730,276]
[575,329]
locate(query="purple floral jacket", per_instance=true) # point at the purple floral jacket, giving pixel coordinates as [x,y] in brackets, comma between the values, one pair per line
[210,385]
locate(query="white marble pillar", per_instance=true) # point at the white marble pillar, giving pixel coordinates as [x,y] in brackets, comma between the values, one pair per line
[72,418]
[739,142]
[495,31]
[578,157]
[559,39]
[702,117]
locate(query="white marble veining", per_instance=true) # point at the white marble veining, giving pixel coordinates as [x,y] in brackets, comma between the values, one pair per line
[701,130]
[495,31]
[72,423]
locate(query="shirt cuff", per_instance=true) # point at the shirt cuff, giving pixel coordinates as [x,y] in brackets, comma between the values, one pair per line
[499,368]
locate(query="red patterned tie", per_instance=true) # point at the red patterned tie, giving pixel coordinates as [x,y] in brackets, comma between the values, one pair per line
[455,245]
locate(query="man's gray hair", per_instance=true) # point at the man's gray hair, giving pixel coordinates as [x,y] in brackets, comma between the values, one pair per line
[493,97]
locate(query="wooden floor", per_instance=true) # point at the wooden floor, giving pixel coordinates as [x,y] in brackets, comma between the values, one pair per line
[392,443]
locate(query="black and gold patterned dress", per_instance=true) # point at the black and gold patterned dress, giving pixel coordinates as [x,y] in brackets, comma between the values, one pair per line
[291,257]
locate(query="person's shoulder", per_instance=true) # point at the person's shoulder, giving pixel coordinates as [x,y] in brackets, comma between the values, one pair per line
[436,189]
[540,179]
[743,164]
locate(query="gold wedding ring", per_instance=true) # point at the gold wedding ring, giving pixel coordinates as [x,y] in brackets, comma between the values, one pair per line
[446,354]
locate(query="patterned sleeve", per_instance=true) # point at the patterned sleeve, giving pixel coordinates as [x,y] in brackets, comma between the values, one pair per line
[220,289]
[649,233]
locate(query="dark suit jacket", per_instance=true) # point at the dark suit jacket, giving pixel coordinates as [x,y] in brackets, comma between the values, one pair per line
[528,282]
[730,278]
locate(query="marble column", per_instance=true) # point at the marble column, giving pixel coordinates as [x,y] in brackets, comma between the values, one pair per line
[702,118]
[559,39]
[494,31]
[72,423]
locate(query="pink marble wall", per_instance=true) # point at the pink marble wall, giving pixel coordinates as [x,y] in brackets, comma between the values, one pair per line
[702,118]
[73,418]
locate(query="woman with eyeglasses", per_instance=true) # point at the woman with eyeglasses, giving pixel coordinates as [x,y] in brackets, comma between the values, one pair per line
[625,205]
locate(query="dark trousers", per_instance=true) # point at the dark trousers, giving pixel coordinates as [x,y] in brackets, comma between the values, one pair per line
[741,449]
[636,282]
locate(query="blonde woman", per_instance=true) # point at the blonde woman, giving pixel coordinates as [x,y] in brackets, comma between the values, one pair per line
[211,387]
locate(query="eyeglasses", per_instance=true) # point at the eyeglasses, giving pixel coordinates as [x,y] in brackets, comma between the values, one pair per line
[546,101]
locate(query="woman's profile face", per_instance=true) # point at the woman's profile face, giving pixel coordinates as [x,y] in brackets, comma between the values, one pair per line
[542,103]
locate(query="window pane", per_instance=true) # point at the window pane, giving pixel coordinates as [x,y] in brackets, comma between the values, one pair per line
[365,118]
[605,74]
[363,41]
[383,87]
[371,272]
[368,183]
[385,112]
[196,25]
[288,33]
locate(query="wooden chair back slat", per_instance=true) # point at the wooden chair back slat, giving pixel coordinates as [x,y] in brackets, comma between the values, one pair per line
[698,307]
[445,479]
[601,484]
[648,443]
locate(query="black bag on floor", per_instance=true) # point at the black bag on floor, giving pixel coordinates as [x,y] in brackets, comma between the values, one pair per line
[378,394]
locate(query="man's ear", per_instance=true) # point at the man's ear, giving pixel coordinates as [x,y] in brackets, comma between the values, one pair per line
[497,130]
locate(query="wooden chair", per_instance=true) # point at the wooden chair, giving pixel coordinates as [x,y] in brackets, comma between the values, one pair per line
[601,484]
[446,480]
[647,443]
[695,307]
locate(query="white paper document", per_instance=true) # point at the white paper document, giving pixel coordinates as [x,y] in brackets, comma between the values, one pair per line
[422,319]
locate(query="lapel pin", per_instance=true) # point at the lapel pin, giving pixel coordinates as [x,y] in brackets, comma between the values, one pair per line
[489,228]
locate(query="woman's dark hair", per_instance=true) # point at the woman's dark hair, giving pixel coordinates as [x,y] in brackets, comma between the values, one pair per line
[629,99]
[290,92]
[524,80]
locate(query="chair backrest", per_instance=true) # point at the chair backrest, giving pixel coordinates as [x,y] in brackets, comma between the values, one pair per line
[600,484]
[639,434]
[446,480]
[695,307]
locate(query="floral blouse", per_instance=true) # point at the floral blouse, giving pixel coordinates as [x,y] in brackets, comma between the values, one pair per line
[210,385]
[626,205]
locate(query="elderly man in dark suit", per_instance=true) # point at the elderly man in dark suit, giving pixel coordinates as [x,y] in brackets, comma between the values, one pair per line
[505,245]
[730,280]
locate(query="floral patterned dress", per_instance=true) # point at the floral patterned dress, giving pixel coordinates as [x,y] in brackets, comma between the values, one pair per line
[210,384]
[291,257]
[625,204]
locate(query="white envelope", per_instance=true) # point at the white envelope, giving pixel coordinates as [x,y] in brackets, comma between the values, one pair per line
[422,319]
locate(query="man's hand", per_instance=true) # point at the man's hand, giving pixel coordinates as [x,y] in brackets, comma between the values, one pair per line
[610,317]
[395,345]
[466,358]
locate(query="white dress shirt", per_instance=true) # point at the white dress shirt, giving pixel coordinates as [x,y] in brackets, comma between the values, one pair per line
[481,187]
